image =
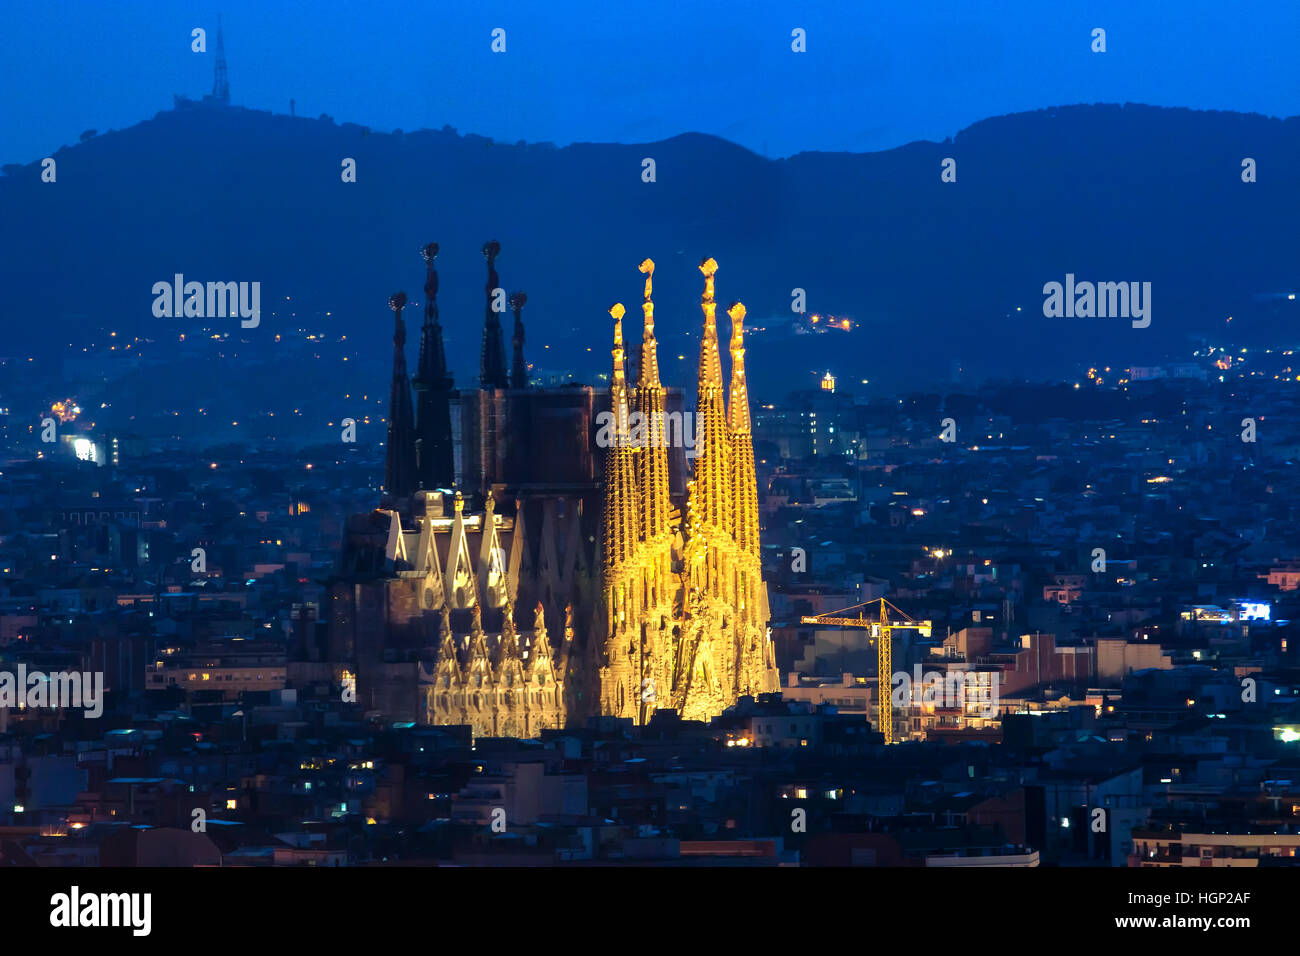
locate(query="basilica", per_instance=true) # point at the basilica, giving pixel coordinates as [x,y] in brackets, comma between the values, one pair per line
[526,569]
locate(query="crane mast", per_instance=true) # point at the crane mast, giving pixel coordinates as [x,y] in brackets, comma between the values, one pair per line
[882,629]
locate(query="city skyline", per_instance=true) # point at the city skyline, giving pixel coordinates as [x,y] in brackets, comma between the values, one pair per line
[689,443]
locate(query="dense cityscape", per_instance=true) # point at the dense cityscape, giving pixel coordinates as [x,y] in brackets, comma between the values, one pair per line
[1109,566]
[853,448]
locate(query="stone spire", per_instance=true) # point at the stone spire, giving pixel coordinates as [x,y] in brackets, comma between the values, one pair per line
[492,361]
[433,390]
[653,457]
[519,368]
[539,648]
[620,529]
[399,465]
[744,479]
[509,657]
[710,500]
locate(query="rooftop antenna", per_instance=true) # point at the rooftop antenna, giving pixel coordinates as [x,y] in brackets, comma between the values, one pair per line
[220,81]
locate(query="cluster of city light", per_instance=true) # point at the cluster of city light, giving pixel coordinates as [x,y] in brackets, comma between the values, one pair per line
[66,410]
[831,322]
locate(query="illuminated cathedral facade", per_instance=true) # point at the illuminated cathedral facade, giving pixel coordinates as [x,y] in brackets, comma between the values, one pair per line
[541,555]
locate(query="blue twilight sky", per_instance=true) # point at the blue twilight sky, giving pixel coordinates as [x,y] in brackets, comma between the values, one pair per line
[875,75]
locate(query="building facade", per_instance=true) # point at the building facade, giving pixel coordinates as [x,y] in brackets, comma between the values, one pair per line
[555,563]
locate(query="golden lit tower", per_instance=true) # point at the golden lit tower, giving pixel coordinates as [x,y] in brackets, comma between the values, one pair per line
[658,587]
[653,458]
[705,658]
[745,481]
[756,673]
[619,660]
[621,527]
[709,502]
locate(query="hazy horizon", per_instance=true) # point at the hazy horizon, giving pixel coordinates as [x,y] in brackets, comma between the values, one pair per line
[870,80]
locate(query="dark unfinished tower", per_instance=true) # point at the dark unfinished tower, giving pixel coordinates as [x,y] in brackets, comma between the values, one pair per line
[518,367]
[399,464]
[434,460]
[492,362]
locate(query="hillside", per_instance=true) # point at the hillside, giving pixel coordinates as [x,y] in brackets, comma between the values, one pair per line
[932,271]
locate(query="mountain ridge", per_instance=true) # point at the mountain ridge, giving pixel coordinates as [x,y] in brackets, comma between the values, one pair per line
[931,272]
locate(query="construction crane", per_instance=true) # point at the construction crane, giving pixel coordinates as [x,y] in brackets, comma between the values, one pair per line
[882,629]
